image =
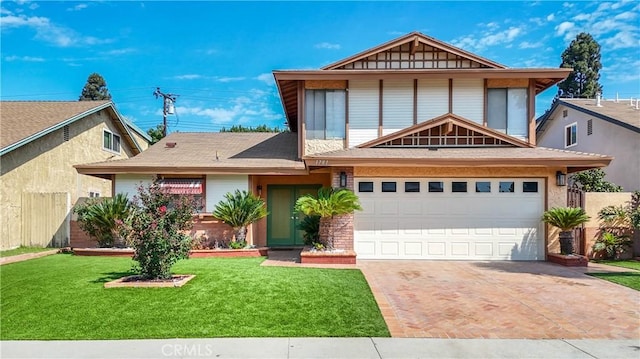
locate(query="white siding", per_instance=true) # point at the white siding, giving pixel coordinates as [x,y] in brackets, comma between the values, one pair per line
[129,183]
[397,105]
[433,98]
[468,99]
[219,185]
[364,107]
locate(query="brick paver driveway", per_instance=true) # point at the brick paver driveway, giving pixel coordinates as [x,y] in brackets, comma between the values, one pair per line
[448,299]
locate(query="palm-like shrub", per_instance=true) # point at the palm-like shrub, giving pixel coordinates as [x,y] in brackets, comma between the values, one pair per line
[239,210]
[101,218]
[565,219]
[612,245]
[329,202]
[310,225]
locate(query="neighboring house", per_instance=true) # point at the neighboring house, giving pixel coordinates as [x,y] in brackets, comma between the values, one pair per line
[40,142]
[610,127]
[438,143]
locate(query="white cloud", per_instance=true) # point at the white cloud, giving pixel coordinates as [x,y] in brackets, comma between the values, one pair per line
[78,7]
[187,77]
[488,38]
[327,45]
[550,17]
[48,32]
[621,40]
[564,27]
[24,58]
[530,45]
[627,15]
[567,5]
[266,78]
[230,79]
[117,52]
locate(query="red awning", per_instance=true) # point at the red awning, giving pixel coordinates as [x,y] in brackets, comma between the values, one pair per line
[182,186]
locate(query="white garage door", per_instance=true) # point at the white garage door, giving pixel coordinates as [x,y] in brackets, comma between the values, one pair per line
[456,218]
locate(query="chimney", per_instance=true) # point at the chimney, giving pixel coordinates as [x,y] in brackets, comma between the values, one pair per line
[616,97]
[170,144]
[598,95]
[631,101]
[637,104]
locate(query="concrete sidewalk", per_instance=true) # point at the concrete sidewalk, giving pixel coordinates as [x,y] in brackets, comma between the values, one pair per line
[333,348]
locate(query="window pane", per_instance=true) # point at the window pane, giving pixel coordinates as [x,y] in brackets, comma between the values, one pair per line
[365,186]
[517,124]
[436,187]
[335,112]
[529,186]
[116,143]
[497,109]
[567,136]
[388,186]
[106,142]
[574,134]
[412,186]
[314,114]
[506,187]
[483,187]
[458,186]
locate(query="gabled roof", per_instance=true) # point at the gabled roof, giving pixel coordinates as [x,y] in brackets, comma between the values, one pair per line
[210,152]
[460,157]
[452,123]
[414,39]
[620,113]
[25,121]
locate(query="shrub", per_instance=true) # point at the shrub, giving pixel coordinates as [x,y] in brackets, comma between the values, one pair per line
[611,244]
[157,230]
[310,225]
[565,218]
[593,181]
[100,218]
[239,210]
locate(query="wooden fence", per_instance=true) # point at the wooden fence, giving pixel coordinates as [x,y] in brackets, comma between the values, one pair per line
[45,219]
[575,198]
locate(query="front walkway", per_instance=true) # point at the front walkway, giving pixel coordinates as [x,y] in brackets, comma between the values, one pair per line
[501,300]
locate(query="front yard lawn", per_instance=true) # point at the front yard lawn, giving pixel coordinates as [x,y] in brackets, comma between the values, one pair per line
[628,279]
[62,297]
[22,250]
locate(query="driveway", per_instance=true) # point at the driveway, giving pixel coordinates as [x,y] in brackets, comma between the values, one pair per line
[533,300]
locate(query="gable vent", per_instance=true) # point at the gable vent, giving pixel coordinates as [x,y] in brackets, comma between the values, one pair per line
[65,133]
[589,127]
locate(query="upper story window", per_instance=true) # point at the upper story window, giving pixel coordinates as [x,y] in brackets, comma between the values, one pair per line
[571,135]
[110,141]
[507,111]
[325,112]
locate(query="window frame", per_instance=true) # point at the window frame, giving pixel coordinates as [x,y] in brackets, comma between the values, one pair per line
[412,187]
[203,195]
[504,91]
[440,190]
[483,182]
[365,190]
[574,135]
[112,136]
[324,126]
[389,190]
[459,190]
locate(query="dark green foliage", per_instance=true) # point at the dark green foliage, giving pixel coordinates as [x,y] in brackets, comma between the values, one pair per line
[593,181]
[239,210]
[612,245]
[156,134]
[583,56]
[634,210]
[259,128]
[95,89]
[565,218]
[229,297]
[157,230]
[102,219]
[311,227]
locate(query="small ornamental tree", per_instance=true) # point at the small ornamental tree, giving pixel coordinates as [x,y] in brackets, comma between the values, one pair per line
[239,209]
[100,218]
[157,230]
[593,181]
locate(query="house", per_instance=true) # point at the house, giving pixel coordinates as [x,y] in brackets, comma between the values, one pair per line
[40,141]
[611,127]
[438,143]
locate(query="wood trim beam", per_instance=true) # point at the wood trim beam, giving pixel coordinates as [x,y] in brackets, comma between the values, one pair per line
[415,101]
[346,117]
[380,119]
[301,125]
[531,112]
[485,120]
[450,95]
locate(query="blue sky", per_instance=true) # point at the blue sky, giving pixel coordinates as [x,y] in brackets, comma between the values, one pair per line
[218,56]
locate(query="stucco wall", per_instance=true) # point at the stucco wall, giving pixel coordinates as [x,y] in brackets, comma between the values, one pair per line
[320,146]
[593,203]
[46,165]
[607,139]
[556,196]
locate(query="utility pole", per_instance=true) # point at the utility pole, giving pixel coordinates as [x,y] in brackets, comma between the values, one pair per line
[168,100]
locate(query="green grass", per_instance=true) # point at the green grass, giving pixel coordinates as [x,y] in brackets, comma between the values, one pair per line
[627,279]
[622,263]
[22,250]
[62,297]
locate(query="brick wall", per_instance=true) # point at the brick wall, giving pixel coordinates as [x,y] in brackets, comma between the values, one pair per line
[342,225]
[79,239]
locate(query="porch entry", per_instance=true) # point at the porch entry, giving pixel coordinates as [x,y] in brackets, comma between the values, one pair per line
[283,219]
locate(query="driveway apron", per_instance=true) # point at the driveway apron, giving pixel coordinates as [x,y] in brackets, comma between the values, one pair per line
[505,300]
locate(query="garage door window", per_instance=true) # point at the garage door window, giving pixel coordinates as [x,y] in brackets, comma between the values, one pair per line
[365,186]
[388,186]
[436,187]
[458,186]
[506,187]
[412,186]
[483,187]
[530,187]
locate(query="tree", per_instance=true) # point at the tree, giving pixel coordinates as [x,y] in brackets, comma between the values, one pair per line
[583,56]
[239,210]
[156,134]
[593,181]
[259,128]
[95,89]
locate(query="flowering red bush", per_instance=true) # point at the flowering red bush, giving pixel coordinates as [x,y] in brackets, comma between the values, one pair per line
[157,230]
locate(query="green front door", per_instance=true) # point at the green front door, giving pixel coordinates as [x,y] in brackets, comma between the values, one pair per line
[283,220]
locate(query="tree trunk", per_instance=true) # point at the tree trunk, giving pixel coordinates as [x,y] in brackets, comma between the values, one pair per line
[566,242]
[241,234]
[325,232]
